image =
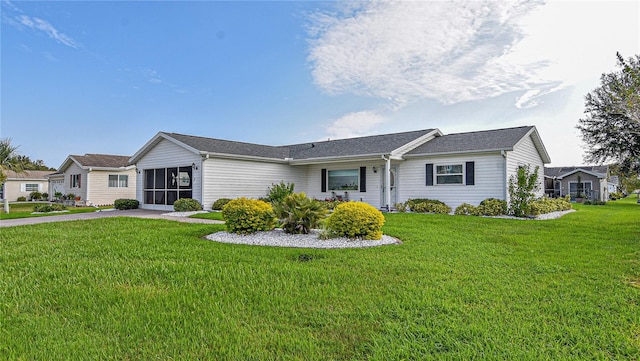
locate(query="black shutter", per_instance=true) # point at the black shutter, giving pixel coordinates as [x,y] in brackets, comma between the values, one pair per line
[429,174]
[363,179]
[470,173]
[323,180]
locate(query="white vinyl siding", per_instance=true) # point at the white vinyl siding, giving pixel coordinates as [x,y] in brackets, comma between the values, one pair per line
[488,175]
[118,181]
[99,192]
[525,153]
[232,178]
[81,191]
[17,188]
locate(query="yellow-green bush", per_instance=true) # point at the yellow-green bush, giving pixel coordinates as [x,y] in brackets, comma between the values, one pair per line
[245,216]
[492,207]
[431,207]
[547,205]
[356,220]
[466,209]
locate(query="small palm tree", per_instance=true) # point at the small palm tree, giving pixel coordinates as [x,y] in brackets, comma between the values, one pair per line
[9,159]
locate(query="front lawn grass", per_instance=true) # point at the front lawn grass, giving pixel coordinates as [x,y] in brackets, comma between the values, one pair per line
[25,210]
[457,288]
[210,215]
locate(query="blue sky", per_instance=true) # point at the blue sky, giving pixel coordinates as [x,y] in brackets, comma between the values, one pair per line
[105,76]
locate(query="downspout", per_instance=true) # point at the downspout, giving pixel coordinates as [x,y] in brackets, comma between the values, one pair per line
[504,175]
[387,182]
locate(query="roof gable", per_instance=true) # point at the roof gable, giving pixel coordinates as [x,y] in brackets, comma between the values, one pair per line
[488,140]
[360,146]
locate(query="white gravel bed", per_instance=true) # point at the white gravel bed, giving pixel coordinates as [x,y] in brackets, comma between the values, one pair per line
[278,238]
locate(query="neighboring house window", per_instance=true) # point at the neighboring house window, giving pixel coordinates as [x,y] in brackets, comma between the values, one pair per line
[118,181]
[574,189]
[449,174]
[31,187]
[343,180]
[76,181]
[166,185]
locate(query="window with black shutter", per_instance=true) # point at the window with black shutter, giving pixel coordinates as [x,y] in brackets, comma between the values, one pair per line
[323,180]
[363,179]
[429,174]
[470,173]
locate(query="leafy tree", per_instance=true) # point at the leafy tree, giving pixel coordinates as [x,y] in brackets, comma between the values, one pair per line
[611,127]
[9,159]
[29,164]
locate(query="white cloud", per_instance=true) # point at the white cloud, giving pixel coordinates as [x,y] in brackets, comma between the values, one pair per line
[406,51]
[45,26]
[354,124]
[152,76]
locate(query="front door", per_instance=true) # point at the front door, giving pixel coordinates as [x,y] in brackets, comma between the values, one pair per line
[394,191]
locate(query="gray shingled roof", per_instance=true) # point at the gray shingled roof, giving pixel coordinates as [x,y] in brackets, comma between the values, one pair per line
[376,144]
[560,171]
[499,139]
[102,160]
[211,145]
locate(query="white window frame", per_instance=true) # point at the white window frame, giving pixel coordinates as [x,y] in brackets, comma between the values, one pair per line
[583,186]
[75,181]
[438,175]
[355,188]
[121,181]
[25,187]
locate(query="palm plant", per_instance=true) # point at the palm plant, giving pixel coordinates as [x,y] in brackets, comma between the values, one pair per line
[299,214]
[9,159]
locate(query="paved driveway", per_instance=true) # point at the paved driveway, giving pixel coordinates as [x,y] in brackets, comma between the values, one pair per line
[139,213]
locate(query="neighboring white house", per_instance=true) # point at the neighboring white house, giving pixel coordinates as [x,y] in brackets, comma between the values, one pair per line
[23,184]
[381,170]
[97,179]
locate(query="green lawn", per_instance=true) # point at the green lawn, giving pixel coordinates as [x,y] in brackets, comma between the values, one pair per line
[458,288]
[25,210]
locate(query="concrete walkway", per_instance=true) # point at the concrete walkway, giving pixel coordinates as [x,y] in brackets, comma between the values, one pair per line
[138,213]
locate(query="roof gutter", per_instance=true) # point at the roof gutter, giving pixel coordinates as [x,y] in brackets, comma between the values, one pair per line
[346,158]
[459,152]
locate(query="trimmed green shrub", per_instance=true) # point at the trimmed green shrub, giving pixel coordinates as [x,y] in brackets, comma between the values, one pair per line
[298,214]
[356,220]
[123,204]
[547,205]
[423,205]
[277,192]
[331,203]
[615,195]
[400,207]
[21,199]
[492,207]
[187,205]
[45,195]
[46,208]
[35,196]
[245,216]
[217,205]
[466,209]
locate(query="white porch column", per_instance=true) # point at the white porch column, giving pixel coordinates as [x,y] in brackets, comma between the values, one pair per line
[387,182]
